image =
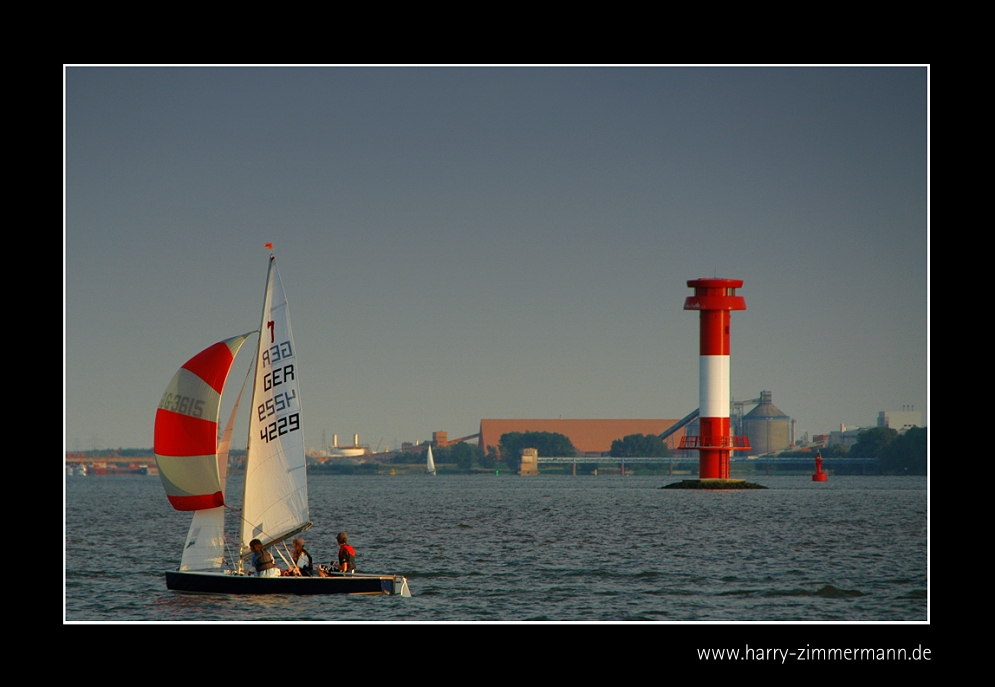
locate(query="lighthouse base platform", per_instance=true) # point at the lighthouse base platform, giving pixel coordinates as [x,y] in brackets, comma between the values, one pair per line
[713,483]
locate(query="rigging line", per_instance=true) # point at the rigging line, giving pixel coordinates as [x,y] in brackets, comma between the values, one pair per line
[231,558]
[237,402]
[293,566]
[274,541]
[277,547]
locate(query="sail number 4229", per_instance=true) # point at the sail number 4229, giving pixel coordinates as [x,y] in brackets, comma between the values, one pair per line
[283,425]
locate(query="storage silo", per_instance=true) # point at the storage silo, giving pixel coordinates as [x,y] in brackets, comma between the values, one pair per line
[767,427]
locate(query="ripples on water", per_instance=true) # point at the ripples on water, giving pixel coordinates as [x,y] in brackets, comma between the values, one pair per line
[548,548]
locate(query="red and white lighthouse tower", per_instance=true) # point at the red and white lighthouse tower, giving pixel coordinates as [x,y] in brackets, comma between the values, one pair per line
[714,299]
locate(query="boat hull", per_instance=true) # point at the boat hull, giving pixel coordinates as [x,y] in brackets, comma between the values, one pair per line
[217,583]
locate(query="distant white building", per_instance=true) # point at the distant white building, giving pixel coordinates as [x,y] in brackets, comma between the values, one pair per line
[900,420]
[847,437]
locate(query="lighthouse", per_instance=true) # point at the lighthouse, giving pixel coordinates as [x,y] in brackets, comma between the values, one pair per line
[714,299]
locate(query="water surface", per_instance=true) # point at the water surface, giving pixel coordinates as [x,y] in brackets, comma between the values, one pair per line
[547,548]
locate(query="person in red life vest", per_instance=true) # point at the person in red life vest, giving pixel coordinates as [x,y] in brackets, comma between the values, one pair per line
[347,554]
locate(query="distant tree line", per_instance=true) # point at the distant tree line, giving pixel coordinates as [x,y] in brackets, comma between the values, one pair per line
[640,445]
[906,454]
[831,451]
[463,456]
[897,454]
[508,453]
[547,443]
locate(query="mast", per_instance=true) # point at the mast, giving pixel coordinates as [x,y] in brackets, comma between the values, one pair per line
[243,545]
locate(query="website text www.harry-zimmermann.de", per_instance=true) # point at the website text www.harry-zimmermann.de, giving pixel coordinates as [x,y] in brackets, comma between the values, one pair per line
[809,653]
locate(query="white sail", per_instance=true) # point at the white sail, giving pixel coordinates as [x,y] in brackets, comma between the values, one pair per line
[276,500]
[430,464]
[205,546]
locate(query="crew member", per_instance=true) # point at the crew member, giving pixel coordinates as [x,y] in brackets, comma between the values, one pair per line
[299,554]
[347,554]
[262,560]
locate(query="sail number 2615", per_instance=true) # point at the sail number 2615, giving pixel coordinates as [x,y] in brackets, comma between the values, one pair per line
[283,425]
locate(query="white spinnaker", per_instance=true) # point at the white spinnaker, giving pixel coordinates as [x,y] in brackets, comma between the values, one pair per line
[276,499]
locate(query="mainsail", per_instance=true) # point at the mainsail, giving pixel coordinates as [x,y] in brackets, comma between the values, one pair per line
[276,501]
[186,428]
[430,463]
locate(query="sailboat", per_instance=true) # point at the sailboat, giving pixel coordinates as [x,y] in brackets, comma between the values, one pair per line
[193,463]
[430,464]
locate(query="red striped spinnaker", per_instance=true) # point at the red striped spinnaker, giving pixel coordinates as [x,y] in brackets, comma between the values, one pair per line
[186,428]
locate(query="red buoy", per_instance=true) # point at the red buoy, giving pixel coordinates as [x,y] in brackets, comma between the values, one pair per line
[819,475]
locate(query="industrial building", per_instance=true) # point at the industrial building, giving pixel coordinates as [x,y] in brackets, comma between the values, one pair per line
[767,427]
[847,437]
[900,420]
[588,436]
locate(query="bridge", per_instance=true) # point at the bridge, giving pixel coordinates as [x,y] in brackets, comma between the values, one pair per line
[112,464]
[759,462]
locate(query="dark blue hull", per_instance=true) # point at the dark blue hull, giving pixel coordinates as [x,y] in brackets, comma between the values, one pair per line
[215,583]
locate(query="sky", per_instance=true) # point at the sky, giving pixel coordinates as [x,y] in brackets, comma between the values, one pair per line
[459,243]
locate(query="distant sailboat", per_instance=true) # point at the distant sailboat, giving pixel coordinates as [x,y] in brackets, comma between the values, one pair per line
[193,464]
[430,464]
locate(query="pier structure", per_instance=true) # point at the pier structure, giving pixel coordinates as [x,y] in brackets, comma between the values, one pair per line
[530,462]
[714,299]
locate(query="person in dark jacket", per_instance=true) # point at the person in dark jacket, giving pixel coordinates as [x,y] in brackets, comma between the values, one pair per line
[347,554]
[262,560]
